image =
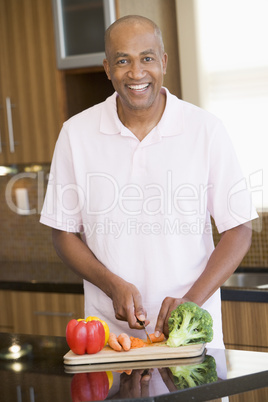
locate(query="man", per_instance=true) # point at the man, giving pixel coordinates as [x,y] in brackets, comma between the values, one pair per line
[138,176]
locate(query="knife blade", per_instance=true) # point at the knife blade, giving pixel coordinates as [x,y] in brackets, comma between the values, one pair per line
[142,323]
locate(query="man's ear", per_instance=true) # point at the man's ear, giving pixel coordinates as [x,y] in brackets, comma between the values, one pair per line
[165,62]
[106,68]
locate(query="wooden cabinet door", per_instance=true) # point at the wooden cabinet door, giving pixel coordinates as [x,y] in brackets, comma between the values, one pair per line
[2,112]
[14,79]
[6,312]
[5,90]
[245,325]
[29,101]
[45,313]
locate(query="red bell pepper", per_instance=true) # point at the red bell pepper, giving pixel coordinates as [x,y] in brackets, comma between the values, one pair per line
[85,337]
[89,386]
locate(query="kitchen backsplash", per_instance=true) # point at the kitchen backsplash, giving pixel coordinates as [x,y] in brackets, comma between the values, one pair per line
[24,239]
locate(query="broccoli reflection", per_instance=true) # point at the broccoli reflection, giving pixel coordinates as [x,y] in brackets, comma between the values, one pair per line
[192,375]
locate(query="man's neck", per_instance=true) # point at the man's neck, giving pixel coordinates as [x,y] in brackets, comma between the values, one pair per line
[141,122]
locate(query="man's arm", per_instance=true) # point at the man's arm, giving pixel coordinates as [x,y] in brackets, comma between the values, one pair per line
[227,255]
[127,301]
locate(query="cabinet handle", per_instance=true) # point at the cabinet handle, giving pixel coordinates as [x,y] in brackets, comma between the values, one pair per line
[10,125]
[54,313]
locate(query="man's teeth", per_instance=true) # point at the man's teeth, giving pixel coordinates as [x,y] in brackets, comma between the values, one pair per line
[138,87]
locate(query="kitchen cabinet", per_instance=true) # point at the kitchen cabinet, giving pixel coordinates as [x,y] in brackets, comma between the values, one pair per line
[245,325]
[30,116]
[42,313]
[39,313]
[6,312]
[83,88]
[79,28]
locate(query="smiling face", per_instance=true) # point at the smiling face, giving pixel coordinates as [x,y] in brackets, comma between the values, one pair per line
[135,63]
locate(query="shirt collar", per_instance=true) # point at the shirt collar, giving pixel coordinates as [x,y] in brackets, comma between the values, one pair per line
[110,123]
[171,122]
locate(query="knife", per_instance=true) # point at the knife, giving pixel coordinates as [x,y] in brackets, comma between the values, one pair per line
[142,323]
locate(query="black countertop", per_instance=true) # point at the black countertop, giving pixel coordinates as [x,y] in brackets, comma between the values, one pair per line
[40,375]
[246,284]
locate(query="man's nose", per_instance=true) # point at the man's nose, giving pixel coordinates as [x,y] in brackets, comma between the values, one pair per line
[136,70]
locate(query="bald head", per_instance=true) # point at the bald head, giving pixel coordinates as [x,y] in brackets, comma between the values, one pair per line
[134,20]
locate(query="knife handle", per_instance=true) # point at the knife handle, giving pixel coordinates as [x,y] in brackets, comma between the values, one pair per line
[142,323]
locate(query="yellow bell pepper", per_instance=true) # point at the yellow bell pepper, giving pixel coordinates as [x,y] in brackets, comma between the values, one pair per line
[110,378]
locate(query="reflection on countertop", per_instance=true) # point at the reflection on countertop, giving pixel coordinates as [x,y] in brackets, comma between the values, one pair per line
[42,373]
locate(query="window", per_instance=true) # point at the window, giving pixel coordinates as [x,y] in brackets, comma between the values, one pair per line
[227,45]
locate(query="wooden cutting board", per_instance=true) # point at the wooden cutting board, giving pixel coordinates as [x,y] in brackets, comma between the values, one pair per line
[155,351]
[133,365]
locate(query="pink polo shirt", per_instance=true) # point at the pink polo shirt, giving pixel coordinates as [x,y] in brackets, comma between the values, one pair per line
[144,207]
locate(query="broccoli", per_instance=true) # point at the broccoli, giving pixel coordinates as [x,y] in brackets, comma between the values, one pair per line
[195,374]
[189,324]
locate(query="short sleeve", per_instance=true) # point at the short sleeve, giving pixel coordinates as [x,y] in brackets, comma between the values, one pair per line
[62,204]
[229,199]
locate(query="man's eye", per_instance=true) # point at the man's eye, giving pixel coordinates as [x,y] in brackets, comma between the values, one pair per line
[122,61]
[148,58]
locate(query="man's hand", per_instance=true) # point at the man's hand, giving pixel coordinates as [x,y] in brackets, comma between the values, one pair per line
[168,379]
[168,305]
[127,303]
[135,385]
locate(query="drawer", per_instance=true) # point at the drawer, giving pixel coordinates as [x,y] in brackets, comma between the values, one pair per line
[45,313]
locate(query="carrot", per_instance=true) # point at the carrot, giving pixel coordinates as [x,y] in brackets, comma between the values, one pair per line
[113,342]
[125,341]
[128,372]
[156,339]
[137,343]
